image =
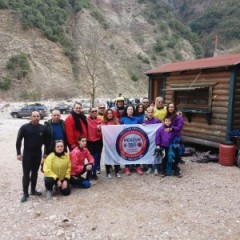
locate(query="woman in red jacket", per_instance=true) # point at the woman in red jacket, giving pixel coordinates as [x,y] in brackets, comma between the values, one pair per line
[76,126]
[110,119]
[94,140]
[81,161]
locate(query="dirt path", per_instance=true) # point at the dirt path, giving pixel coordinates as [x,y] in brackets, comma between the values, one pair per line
[204,204]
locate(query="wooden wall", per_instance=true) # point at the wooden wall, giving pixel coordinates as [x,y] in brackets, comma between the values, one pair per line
[236,119]
[198,130]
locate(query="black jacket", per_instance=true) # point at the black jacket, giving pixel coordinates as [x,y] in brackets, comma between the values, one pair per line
[50,141]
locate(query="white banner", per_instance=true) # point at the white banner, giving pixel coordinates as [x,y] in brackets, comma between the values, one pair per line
[129,144]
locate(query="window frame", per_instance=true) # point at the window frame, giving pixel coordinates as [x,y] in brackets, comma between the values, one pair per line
[194,88]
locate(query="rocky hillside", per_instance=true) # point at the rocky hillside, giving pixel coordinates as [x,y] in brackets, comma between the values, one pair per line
[112,44]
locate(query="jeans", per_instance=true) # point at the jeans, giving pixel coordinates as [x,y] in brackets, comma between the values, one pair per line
[95,148]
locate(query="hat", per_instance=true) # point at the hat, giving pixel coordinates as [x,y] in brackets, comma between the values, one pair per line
[119,99]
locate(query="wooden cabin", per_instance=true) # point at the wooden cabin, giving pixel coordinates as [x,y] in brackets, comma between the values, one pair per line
[207,91]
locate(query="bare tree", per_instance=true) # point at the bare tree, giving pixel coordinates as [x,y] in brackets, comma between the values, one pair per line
[91,62]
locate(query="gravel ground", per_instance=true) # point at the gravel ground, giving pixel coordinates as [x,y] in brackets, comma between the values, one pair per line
[204,204]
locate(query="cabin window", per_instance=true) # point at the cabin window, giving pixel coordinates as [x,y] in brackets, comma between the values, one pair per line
[196,99]
[193,98]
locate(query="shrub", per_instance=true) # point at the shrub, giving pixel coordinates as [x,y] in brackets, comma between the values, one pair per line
[159,47]
[3,4]
[19,65]
[134,77]
[143,58]
[5,83]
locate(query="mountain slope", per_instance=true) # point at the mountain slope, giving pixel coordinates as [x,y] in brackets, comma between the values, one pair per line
[131,42]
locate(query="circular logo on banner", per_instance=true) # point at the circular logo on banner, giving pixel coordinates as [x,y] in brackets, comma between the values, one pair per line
[132,143]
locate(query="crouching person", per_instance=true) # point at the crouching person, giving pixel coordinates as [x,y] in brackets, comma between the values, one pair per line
[82,163]
[57,168]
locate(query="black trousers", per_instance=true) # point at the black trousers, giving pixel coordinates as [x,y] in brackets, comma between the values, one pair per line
[50,182]
[30,164]
[116,168]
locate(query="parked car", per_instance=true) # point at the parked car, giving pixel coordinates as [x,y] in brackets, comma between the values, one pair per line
[63,108]
[26,111]
[85,107]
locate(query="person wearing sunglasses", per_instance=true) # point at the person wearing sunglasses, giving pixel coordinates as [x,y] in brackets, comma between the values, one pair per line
[101,111]
[94,140]
[57,168]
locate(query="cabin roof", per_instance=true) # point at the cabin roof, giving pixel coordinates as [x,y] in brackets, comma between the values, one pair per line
[203,63]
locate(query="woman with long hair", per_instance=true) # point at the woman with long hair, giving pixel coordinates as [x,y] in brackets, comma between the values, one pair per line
[177,122]
[76,125]
[110,119]
[140,112]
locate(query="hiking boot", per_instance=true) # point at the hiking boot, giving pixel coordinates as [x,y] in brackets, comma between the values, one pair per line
[118,175]
[36,193]
[24,198]
[149,171]
[109,176]
[49,195]
[127,171]
[178,175]
[156,172]
[94,177]
[182,161]
[139,171]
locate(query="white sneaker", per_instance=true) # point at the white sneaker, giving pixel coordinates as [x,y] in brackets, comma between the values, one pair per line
[109,176]
[156,172]
[149,171]
[118,175]
[49,195]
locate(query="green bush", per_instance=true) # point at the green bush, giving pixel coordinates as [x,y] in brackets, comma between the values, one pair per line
[143,58]
[5,83]
[134,77]
[3,4]
[159,46]
[19,65]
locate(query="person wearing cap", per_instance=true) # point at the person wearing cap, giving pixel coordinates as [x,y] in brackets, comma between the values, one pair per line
[101,111]
[119,108]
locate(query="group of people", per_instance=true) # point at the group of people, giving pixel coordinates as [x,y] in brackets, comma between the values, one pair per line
[72,148]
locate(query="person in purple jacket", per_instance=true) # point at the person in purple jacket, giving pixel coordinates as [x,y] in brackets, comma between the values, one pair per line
[177,122]
[163,140]
[149,119]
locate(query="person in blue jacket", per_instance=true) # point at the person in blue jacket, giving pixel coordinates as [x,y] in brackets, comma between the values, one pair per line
[128,119]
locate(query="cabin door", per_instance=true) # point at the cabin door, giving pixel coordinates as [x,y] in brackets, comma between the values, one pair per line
[158,86]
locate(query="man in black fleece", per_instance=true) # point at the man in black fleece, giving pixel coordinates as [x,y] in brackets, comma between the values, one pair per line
[34,135]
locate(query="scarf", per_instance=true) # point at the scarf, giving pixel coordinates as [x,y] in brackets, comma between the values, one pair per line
[59,154]
[78,118]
